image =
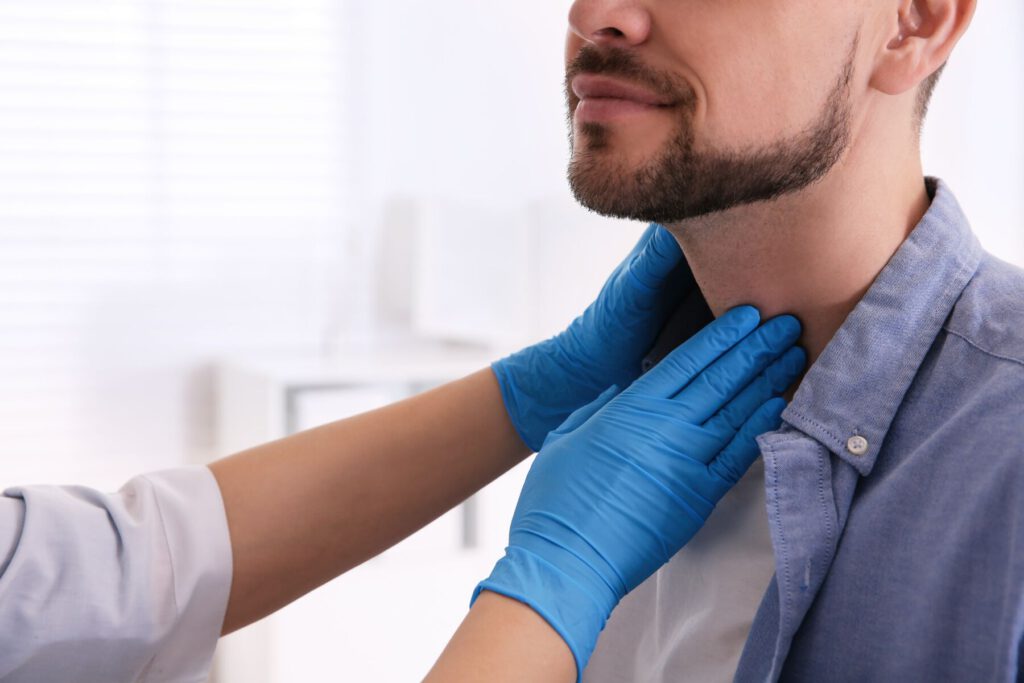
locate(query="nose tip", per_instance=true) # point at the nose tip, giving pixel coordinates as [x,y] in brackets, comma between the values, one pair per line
[610,22]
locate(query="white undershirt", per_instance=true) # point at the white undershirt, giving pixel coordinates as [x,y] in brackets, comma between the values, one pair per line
[690,620]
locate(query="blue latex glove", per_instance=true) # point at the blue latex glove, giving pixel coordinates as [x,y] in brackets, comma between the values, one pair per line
[545,383]
[628,480]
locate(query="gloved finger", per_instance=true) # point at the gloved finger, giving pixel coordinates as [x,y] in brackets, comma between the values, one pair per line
[686,362]
[775,379]
[641,243]
[728,375]
[736,458]
[637,418]
[652,264]
[622,270]
[581,415]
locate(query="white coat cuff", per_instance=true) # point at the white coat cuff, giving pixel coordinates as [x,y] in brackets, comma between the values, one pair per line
[196,528]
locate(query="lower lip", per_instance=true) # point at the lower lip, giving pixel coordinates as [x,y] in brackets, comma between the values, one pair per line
[608,108]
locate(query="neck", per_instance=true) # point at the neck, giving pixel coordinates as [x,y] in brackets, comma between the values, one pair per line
[812,254]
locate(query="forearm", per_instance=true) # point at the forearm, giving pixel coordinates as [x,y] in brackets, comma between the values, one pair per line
[307,508]
[504,641]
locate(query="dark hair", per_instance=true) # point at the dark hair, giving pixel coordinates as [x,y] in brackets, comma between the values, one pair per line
[924,94]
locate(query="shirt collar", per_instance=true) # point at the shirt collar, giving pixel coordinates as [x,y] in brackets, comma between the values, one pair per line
[856,386]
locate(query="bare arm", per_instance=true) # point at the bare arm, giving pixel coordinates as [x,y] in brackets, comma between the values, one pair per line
[503,641]
[309,507]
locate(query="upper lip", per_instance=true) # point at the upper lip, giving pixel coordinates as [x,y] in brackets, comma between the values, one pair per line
[586,86]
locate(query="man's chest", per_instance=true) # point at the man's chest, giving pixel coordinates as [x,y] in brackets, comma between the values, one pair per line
[926,582]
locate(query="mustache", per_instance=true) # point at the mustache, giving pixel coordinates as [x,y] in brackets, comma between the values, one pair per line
[615,61]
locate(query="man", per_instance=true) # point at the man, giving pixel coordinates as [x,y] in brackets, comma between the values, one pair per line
[779,143]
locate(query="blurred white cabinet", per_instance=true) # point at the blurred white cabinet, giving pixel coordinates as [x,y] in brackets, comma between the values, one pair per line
[389,619]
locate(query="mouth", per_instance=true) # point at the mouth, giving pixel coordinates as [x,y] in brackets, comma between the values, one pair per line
[604,98]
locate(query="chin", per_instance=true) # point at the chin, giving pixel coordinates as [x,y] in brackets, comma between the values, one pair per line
[618,150]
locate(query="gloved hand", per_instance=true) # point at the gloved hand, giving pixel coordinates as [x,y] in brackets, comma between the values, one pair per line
[543,384]
[628,480]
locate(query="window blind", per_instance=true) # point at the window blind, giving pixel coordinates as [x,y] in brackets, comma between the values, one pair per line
[172,186]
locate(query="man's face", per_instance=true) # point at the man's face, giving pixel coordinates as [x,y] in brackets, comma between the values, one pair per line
[680,108]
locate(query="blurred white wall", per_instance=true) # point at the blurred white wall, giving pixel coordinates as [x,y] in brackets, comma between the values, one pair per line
[171,188]
[183,181]
[974,136]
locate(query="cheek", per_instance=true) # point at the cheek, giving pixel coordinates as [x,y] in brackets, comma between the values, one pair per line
[759,75]
[756,102]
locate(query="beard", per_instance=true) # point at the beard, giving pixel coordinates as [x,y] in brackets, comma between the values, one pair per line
[682,182]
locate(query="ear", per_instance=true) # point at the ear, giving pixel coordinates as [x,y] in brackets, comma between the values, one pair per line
[917,40]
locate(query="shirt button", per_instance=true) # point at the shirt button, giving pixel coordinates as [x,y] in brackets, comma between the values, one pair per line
[857,445]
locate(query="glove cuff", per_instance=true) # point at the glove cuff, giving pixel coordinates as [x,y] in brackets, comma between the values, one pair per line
[575,613]
[517,405]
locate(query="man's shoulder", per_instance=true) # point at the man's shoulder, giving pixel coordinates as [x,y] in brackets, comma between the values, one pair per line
[989,315]
[971,386]
[963,411]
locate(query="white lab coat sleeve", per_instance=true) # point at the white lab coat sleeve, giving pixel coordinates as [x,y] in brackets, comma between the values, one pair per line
[111,588]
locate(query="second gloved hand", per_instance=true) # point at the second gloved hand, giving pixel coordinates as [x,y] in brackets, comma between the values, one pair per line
[628,480]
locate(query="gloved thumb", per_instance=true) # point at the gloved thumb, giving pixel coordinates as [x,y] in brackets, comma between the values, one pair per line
[652,265]
[735,459]
[582,415]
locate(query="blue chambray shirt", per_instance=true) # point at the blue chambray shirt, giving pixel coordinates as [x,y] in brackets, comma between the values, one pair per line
[899,555]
